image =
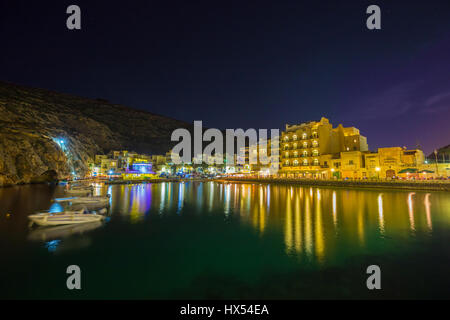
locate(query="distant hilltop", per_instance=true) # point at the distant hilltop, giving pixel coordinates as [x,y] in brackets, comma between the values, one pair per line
[48,134]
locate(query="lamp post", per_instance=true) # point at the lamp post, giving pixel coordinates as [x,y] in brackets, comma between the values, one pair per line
[437,167]
[377,169]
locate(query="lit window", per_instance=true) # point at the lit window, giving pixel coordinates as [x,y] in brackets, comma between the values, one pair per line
[294,137]
[287,154]
[286,138]
[295,153]
[295,163]
[305,153]
[316,162]
[304,135]
[315,143]
[295,145]
[305,144]
[305,162]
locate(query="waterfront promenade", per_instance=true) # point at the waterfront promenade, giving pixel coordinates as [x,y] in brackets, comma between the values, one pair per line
[432,185]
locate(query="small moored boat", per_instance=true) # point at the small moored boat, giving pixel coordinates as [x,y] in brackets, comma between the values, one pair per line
[80,192]
[93,200]
[66,217]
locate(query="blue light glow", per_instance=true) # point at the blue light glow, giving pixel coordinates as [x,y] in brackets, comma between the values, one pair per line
[142,167]
[56,207]
[52,245]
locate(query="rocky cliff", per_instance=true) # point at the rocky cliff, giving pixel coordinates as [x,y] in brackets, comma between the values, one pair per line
[44,134]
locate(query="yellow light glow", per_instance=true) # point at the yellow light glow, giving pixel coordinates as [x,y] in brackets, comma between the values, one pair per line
[411,210]
[380,213]
[428,210]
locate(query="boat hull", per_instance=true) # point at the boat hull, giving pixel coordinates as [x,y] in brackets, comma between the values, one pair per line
[79,192]
[57,220]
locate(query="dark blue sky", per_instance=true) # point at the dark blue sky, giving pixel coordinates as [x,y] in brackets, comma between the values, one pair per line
[246,64]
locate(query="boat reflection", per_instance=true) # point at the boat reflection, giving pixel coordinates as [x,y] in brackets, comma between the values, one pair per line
[65,237]
[60,232]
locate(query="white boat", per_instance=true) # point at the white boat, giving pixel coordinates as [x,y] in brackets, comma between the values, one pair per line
[66,217]
[81,187]
[93,200]
[81,192]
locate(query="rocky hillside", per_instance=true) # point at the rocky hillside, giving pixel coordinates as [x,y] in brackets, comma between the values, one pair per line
[44,134]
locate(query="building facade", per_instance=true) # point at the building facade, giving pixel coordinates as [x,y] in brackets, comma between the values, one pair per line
[313,148]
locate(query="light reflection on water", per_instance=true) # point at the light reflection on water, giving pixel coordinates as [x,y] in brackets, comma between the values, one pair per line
[312,220]
[237,232]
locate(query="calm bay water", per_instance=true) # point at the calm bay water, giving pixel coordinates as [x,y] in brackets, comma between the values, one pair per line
[211,240]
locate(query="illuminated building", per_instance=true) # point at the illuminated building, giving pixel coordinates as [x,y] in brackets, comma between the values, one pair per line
[317,150]
[310,149]
[266,158]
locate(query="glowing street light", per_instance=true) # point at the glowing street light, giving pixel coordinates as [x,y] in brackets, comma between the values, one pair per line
[377,169]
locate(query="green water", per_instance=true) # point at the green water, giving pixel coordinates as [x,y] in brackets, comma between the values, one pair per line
[242,241]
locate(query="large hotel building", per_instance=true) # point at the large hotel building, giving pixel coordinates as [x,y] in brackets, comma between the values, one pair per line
[317,150]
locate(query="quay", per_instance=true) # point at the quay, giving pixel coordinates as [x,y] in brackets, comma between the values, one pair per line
[430,185]
[156,180]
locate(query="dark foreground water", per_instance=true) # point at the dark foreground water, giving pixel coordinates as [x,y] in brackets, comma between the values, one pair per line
[211,240]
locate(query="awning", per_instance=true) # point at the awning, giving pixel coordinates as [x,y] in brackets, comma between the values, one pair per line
[408,170]
[426,171]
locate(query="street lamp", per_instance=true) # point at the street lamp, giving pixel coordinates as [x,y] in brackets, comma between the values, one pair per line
[437,167]
[377,169]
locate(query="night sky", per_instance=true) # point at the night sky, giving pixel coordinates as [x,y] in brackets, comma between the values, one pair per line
[248,64]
